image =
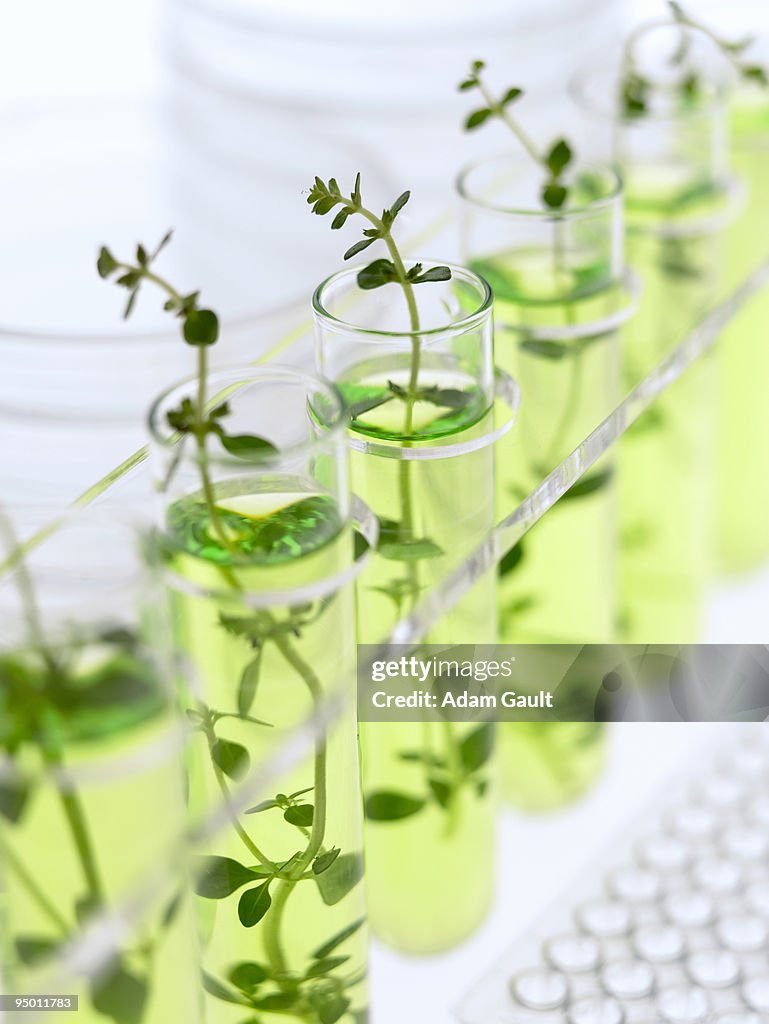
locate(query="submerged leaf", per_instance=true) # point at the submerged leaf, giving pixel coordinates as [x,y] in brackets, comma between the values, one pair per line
[328,947]
[476,748]
[589,485]
[511,560]
[249,681]
[387,805]
[300,815]
[247,446]
[231,757]
[340,878]
[121,995]
[218,877]
[254,904]
[324,860]
[248,975]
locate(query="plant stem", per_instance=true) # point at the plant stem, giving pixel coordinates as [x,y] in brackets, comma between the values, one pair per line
[523,137]
[78,827]
[569,406]
[453,765]
[250,845]
[200,440]
[32,887]
[272,941]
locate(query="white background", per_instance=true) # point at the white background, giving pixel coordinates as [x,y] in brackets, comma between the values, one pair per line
[52,50]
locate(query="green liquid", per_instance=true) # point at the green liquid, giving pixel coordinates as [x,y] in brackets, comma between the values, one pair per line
[666,485]
[417,903]
[558,586]
[68,852]
[742,497]
[274,666]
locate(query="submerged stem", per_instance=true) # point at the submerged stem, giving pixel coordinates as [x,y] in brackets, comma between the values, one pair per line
[39,896]
[272,940]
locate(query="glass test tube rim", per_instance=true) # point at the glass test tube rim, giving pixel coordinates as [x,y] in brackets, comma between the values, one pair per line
[468,322]
[612,198]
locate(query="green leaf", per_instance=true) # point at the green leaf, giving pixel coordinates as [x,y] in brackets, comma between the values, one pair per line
[423,757]
[218,877]
[265,805]
[249,681]
[248,975]
[219,991]
[301,792]
[276,1001]
[449,398]
[376,274]
[254,904]
[329,1006]
[364,243]
[120,995]
[324,860]
[106,263]
[399,203]
[31,950]
[589,485]
[690,85]
[321,967]
[247,446]
[328,947]
[355,196]
[559,157]
[545,349]
[554,195]
[201,327]
[341,217]
[635,90]
[130,279]
[324,205]
[467,83]
[737,45]
[232,758]
[476,748]
[86,907]
[172,909]
[441,791]
[520,605]
[511,96]
[367,404]
[477,118]
[398,590]
[410,550]
[340,878]
[387,805]
[14,794]
[511,560]
[300,815]
[162,244]
[184,417]
[755,73]
[434,274]
[478,65]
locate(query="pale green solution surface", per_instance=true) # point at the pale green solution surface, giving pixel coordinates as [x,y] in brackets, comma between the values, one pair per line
[66,853]
[666,458]
[304,648]
[558,585]
[430,873]
[742,498]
